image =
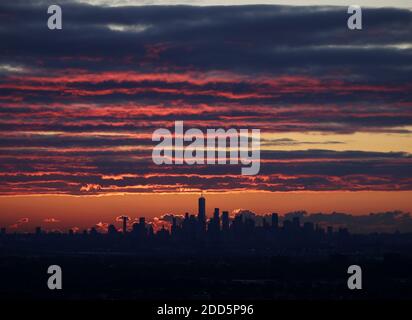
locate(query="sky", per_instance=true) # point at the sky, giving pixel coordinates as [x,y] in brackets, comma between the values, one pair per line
[79,105]
[366,3]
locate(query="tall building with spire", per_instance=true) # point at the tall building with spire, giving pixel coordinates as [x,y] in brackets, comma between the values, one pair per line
[124,221]
[201,215]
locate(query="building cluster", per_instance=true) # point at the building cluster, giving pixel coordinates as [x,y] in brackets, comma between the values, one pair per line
[222,226]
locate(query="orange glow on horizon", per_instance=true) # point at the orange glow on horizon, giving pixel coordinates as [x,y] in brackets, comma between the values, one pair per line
[66,211]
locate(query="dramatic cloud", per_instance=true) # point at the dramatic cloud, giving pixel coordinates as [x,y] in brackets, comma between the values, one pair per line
[158,224]
[78,106]
[19,222]
[102,226]
[51,220]
[169,218]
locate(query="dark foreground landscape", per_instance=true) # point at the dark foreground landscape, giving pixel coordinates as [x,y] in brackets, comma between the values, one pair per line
[209,273]
[220,258]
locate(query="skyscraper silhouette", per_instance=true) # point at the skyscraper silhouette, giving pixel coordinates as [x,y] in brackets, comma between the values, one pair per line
[214,223]
[275,220]
[216,219]
[124,220]
[139,229]
[201,215]
[225,221]
[111,230]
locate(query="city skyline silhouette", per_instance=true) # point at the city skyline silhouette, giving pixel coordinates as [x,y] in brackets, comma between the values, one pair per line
[82,103]
[208,256]
[397,221]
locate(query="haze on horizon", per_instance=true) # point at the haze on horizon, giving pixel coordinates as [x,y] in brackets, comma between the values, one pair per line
[79,106]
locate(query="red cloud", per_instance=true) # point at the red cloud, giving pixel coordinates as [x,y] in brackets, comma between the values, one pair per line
[51,220]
